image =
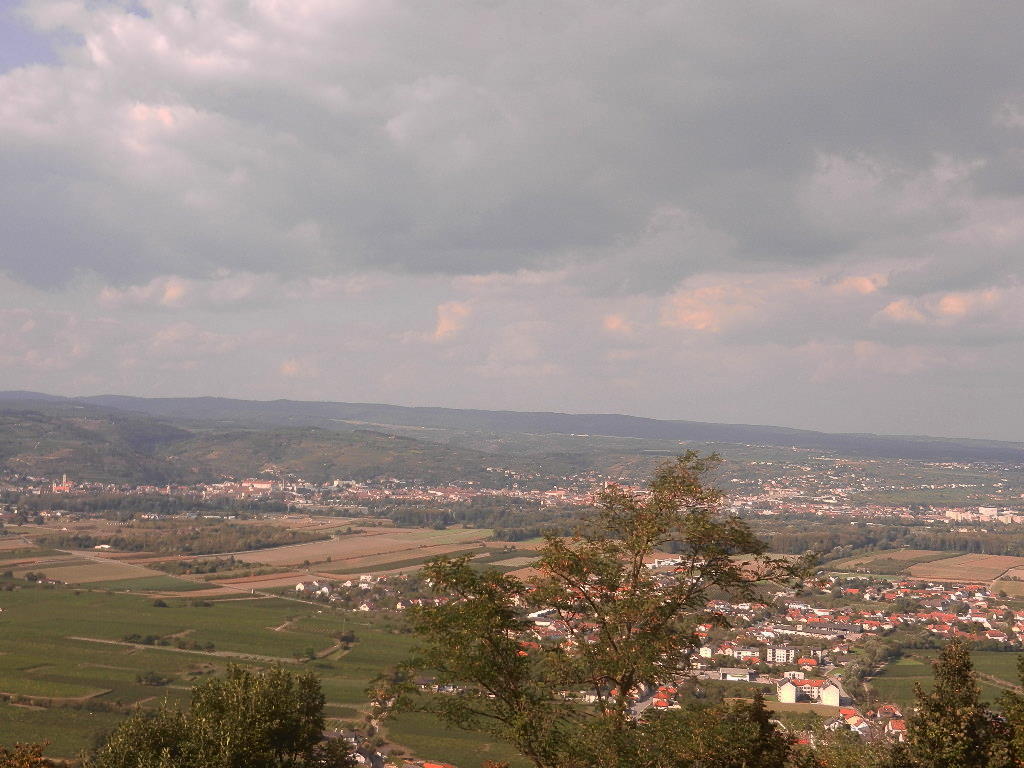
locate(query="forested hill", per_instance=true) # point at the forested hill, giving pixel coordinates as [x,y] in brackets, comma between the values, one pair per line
[346,416]
[90,442]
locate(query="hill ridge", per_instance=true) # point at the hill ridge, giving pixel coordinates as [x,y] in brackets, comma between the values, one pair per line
[333,414]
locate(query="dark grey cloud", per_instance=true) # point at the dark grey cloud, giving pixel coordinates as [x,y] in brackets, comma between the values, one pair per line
[471,138]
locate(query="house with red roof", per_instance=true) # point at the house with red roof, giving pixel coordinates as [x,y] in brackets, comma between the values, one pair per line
[897,729]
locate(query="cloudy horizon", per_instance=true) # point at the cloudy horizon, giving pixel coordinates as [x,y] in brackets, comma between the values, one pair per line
[796,213]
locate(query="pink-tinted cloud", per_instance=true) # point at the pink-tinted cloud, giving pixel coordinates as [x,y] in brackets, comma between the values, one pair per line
[998,306]
[451,318]
[618,324]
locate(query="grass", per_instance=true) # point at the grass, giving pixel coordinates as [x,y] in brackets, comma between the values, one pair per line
[431,739]
[896,682]
[146,584]
[998,664]
[40,658]
[410,562]
[801,707]
[13,555]
[68,731]
[40,686]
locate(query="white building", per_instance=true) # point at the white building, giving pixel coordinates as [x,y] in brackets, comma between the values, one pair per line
[821,691]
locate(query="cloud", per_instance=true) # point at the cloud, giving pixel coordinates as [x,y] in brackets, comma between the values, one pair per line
[451,318]
[294,368]
[863,284]
[675,209]
[341,137]
[43,341]
[616,323]
[984,314]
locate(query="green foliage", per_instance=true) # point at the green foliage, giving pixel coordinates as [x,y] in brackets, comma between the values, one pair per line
[845,749]
[188,537]
[951,728]
[23,756]
[625,631]
[736,735]
[246,719]
[151,678]
[1012,704]
[799,533]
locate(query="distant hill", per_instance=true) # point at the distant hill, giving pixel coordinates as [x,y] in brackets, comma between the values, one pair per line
[336,416]
[49,437]
[322,455]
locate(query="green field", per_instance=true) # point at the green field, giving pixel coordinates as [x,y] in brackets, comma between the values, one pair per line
[82,679]
[896,683]
[429,739]
[393,565]
[1002,666]
[68,731]
[148,584]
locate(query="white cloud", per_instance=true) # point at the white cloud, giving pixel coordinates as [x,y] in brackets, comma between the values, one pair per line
[451,318]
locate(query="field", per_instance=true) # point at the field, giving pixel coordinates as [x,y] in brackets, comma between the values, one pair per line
[160,582]
[888,562]
[968,568]
[997,670]
[425,736]
[802,706]
[514,562]
[370,546]
[918,555]
[65,649]
[1012,582]
[80,571]
[360,549]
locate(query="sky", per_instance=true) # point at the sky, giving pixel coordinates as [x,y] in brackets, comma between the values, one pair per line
[807,214]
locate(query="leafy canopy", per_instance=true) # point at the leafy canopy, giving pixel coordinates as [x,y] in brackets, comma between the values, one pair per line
[569,700]
[246,719]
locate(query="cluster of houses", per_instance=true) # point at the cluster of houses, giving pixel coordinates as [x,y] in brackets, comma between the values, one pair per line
[368,592]
[795,644]
[886,720]
[944,606]
[942,609]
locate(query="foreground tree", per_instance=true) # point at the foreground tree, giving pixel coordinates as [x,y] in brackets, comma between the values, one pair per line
[1012,705]
[846,749]
[27,755]
[625,629]
[950,727]
[268,719]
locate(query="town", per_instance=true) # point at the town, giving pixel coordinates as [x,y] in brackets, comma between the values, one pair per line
[830,653]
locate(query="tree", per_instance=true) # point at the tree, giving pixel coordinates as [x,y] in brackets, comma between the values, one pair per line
[950,727]
[23,756]
[735,735]
[1012,704]
[246,719]
[625,628]
[845,749]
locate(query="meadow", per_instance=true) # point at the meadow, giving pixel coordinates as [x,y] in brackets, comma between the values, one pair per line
[896,682]
[72,675]
[423,735]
